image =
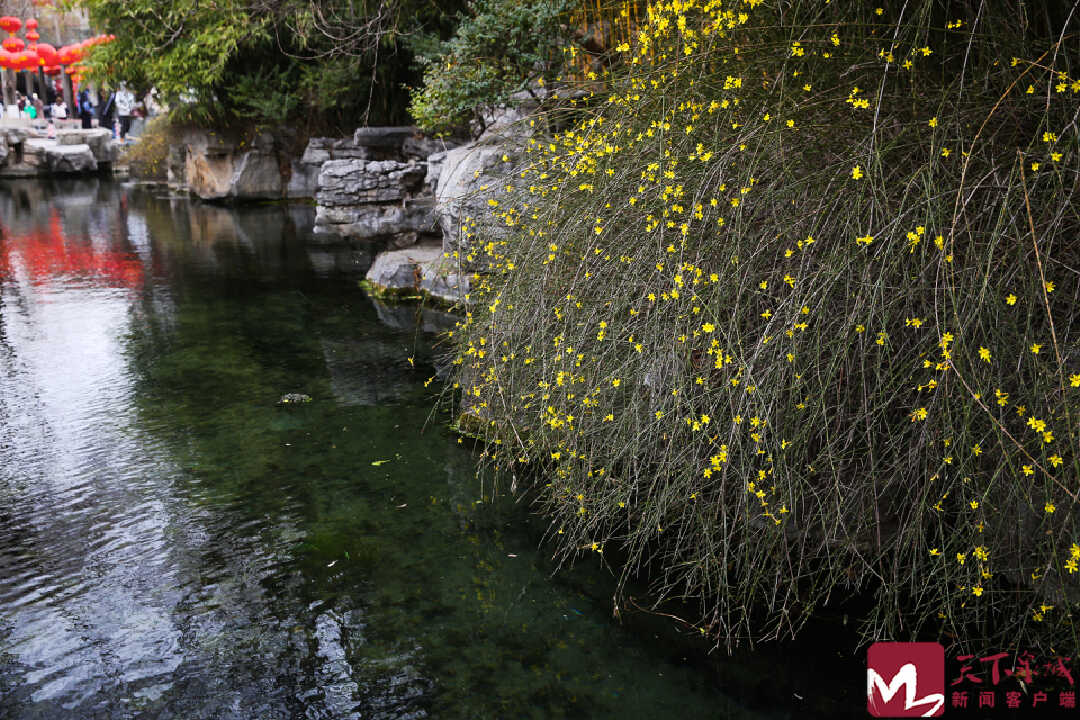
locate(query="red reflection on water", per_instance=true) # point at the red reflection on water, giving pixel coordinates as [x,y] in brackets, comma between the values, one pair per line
[47,254]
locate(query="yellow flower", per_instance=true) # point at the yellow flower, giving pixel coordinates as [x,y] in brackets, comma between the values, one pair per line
[1010,300]
[984,354]
[864,240]
[708,327]
[977,590]
[1049,285]
[856,172]
[1035,348]
[933,122]
[934,552]
[1049,508]
[616,382]
[1074,380]
[919,414]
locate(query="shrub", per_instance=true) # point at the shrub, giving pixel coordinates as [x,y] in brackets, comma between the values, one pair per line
[502,47]
[794,314]
[148,158]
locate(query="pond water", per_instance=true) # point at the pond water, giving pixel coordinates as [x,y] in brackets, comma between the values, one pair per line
[173,544]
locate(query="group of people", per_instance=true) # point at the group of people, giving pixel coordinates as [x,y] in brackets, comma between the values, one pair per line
[116,111]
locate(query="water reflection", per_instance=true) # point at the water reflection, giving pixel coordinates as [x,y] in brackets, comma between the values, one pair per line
[173,544]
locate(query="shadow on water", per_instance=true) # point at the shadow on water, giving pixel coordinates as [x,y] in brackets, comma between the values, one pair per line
[175,544]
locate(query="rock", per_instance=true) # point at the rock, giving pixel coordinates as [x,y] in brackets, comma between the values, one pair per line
[114,148]
[423,268]
[303,179]
[346,149]
[264,142]
[16,136]
[383,137]
[3,152]
[372,221]
[399,270]
[70,159]
[434,170]
[294,399]
[98,139]
[420,147]
[33,151]
[471,175]
[444,280]
[354,182]
[257,177]
[176,167]
[318,151]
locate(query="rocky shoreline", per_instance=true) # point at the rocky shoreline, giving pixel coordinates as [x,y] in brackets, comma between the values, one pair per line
[391,204]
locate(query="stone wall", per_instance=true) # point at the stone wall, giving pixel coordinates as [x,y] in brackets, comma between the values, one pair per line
[405,199]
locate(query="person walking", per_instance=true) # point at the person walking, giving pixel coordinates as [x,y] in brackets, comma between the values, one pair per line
[125,104]
[86,109]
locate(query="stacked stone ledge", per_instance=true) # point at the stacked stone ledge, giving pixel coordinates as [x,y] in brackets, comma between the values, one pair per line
[29,153]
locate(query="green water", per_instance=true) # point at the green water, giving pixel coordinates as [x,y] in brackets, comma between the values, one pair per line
[173,544]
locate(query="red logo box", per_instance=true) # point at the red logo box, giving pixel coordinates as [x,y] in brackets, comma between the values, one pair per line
[905,679]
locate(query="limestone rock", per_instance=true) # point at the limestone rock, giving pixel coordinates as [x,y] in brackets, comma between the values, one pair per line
[257,177]
[34,151]
[420,147]
[208,175]
[434,170]
[383,137]
[98,139]
[471,175]
[444,279]
[16,136]
[317,151]
[303,179]
[354,182]
[175,166]
[372,221]
[70,159]
[423,268]
[402,269]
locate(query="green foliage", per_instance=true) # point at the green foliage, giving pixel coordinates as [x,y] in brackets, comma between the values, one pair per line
[148,158]
[793,314]
[500,48]
[177,47]
[326,66]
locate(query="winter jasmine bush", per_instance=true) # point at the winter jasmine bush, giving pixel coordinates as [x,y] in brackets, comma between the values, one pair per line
[790,311]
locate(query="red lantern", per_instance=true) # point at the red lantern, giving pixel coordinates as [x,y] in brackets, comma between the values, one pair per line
[13,44]
[31,24]
[70,54]
[26,60]
[5,59]
[47,54]
[53,69]
[33,36]
[10,24]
